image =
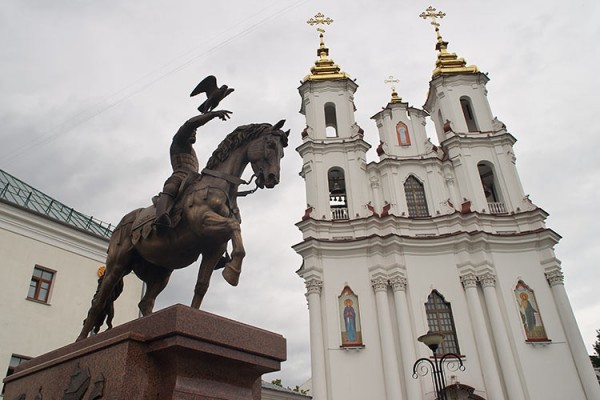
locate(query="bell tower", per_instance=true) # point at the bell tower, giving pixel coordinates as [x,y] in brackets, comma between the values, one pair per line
[477,143]
[428,238]
[333,150]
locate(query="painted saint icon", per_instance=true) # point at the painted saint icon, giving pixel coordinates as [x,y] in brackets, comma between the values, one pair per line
[402,133]
[349,318]
[530,314]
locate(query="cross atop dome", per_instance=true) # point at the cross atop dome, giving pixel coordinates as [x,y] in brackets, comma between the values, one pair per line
[392,81]
[447,63]
[324,67]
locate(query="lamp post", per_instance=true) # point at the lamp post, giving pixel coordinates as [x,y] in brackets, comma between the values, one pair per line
[436,367]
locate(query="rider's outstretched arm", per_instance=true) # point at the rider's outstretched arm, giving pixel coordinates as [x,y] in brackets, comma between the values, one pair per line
[189,127]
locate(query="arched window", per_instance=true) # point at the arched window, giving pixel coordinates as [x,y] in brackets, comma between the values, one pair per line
[467,108]
[330,120]
[402,134]
[415,198]
[337,193]
[490,190]
[440,319]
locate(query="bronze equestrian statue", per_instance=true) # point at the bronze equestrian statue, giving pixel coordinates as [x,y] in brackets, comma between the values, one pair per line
[183,161]
[203,215]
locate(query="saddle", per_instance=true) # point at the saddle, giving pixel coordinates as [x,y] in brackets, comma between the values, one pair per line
[142,225]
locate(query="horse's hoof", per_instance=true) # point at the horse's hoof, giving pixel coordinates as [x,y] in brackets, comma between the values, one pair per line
[231,275]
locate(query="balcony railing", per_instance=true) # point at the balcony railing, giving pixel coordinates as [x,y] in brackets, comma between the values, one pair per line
[339,213]
[497,208]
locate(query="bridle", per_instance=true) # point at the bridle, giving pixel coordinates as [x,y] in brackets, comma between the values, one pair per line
[233,180]
[236,180]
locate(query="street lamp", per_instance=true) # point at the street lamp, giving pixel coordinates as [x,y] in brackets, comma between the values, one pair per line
[436,367]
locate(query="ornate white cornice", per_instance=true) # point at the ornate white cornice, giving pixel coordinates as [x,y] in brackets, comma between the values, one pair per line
[487,279]
[469,280]
[313,286]
[398,283]
[52,233]
[379,284]
[555,277]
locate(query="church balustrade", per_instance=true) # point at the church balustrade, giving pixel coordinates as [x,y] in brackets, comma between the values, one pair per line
[497,208]
[339,213]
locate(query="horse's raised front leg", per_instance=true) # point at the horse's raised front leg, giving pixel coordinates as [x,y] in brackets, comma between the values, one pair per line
[207,266]
[229,228]
[233,268]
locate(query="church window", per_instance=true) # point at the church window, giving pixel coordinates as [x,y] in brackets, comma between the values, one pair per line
[15,361]
[402,134]
[330,120]
[41,283]
[415,198]
[349,318]
[530,313]
[467,108]
[440,319]
[337,193]
[488,183]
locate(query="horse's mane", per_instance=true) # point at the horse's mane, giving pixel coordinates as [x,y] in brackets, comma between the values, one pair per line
[238,137]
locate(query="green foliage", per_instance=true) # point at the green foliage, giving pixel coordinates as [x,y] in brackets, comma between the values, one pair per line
[596,357]
[277,382]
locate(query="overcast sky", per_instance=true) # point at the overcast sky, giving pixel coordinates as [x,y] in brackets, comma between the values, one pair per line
[91,93]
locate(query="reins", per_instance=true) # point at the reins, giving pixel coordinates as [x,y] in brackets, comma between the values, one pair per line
[232,179]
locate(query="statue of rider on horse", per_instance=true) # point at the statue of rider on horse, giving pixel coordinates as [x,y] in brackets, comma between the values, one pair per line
[195,214]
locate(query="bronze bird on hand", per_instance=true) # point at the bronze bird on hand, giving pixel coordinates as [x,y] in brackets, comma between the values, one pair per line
[214,93]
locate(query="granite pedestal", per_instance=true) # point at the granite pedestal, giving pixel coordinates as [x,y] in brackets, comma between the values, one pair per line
[176,353]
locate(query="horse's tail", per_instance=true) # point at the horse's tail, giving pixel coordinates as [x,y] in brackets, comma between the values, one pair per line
[119,235]
[108,311]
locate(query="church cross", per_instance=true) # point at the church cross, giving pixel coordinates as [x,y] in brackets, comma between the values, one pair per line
[391,81]
[319,19]
[431,13]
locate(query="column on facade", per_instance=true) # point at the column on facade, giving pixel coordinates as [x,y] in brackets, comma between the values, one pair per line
[491,378]
[578,350]
[514,389]
[317,346]
[407,348]
[391,374]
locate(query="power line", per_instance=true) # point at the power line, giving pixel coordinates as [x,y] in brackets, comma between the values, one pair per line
[105,104]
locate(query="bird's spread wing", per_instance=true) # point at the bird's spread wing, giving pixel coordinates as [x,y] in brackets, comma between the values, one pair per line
[228,91]
[208,86]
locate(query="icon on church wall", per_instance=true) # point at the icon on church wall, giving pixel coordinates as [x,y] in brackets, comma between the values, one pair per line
[349,318]
[402,133]
[530,314]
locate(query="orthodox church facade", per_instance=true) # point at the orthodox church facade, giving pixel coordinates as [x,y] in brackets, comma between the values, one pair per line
[428,238]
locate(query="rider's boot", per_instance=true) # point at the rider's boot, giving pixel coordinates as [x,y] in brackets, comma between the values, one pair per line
[164,202]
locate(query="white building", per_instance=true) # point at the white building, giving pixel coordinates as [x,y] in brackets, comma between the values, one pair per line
[49,272]
[428,238]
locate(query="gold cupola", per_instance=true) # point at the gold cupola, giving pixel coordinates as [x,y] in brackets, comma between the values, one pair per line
[324,68]
[447,63]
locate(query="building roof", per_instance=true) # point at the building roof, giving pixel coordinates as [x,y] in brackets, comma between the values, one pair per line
[288,391]
[19,193]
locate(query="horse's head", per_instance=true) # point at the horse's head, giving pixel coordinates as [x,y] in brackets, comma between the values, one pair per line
[265,153]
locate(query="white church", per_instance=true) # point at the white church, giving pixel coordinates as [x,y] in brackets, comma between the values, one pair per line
[428,238]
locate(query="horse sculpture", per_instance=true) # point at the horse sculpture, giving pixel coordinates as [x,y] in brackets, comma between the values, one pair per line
[205,217]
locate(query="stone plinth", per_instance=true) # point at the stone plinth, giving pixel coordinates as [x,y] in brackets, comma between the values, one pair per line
[176,353]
